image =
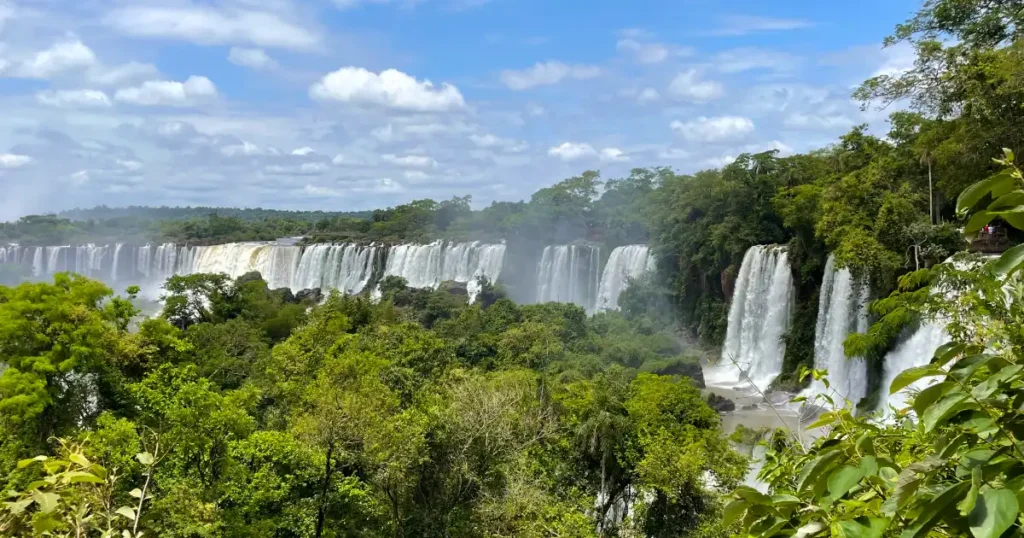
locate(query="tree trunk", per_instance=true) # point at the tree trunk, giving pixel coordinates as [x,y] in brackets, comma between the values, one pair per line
[931,195]
[321,513]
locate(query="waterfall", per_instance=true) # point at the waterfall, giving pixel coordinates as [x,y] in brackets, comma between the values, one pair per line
[10,254]
[760,315]
[117,260]
[623,264]
[917,350]
[277,264]
[346,268]
[427,266]
[842,309]
[569,274]
[757,454]
[53,256]
[89,259]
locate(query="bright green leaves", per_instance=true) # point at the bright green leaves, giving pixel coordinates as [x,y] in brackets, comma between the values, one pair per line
[814,470]
[909,376]
[843,480]
[996,186]
[934,509]
[993,513]
[862,527]
[1008,262]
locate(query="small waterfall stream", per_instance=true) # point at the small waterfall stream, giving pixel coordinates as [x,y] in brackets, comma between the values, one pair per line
[760,315]
[842,310]
[623,264]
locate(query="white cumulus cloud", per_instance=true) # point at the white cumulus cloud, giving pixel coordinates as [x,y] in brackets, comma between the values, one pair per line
[410,161]
[648,95]
[303,151]
[73,98]
[613,155]
[122,74]
[492,141]
[251,58]
[210,26]
[688,86]
[645,53]
[714,129]
[80,177]
[63,56]
[546,74]
[243,149]
[13,160]
[390,88]
[571,151]
[168,92]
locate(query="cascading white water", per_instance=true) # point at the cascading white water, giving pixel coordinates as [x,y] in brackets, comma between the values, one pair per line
[277,264]
[347,268]
[427,266]
[116,261]
[842,310]
[89,259]
[760,315]
[917,350]
[757,454]
[569,274]
[623,264]
[53,259]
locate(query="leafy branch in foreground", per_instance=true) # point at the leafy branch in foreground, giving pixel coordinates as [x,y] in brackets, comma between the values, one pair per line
[75,497]
[953,462]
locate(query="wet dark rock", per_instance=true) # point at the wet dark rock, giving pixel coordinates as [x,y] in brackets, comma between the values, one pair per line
[721,403]
[284,294]
[313,295]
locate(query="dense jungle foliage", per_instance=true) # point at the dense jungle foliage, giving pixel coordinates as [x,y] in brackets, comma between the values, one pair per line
[244,411]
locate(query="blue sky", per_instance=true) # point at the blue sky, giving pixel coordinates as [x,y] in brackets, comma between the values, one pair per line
[355,104]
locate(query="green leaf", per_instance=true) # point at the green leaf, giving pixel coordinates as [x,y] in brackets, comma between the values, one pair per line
[80,459]
[1009,262]
[25,463]
[46,501]
[824,420]
[978,221]
[18,507]
[814,469]
[44,524]
[732,512]
[972,195]
[869,465]
[946,353]
[752,496]
[969,501]
[909,376]
[137,493]
[930,395]
[810,529]
[76,477]
[1014,216]
[1008,153]
[946,407]
[863,527]
[934,509]
[1003,182]
[126,511]
[144,458]
[842,480]
[993,514]
[1010,199]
